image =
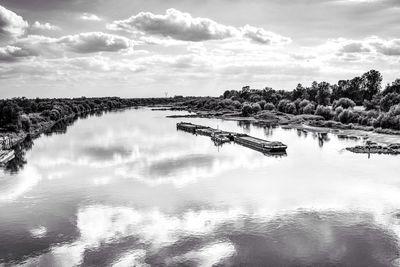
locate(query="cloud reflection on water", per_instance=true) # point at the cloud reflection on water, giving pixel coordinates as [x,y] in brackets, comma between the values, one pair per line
[226,237]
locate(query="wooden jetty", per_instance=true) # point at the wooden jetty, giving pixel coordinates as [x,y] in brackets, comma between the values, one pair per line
[6,156]
[220,137]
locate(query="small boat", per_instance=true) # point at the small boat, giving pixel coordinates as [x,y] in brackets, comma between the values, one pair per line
[222,137]
[6,156]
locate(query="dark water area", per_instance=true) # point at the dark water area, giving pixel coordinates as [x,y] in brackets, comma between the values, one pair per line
[128,189]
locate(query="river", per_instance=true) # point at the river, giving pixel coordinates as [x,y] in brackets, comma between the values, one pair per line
[128,189]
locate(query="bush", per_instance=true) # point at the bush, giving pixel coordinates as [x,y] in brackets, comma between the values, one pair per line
[282,105]
[262,104]
[255,108]
[309,109]
[236,104]
[346,116]
[324,111]
[395,110]
[246,110]
[344,103]
[291,108]
[304,103]
[269,106]
[389,100]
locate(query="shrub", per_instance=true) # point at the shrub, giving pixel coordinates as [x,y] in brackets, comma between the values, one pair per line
[346,116]
[304,103]
[395,110]
[291,108]
[372,114]
[256,108]
[324,111]
[236,104]
[269,106]
[338,110]
[262,103]
[282,105]
[246,109]
[344,103]
[309,109]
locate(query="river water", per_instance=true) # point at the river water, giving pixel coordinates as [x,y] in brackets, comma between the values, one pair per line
[128,189]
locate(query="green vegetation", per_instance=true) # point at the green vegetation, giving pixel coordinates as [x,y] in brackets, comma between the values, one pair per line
[30,115]
[338,102]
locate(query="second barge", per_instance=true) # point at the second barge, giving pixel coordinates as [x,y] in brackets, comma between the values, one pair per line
[260,144]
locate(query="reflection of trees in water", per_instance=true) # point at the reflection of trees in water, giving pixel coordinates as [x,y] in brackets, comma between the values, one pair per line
[302,133]
[18,162]
[322,138]
[245,125]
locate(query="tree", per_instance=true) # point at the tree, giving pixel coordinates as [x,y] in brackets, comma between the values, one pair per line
[372,83]
[323,93]
[311,92]
[353,90]
[298,92]
[389,100]
[392,88]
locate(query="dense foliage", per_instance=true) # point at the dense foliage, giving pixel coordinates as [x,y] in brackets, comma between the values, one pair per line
[22,114]
[379,108]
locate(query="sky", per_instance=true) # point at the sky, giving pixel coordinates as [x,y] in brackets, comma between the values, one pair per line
[154,48]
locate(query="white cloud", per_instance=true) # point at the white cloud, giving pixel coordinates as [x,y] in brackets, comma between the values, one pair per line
[91,42]
[88,42]
[175,24]
[11,24]
[259,35]
[89,16]
[372,44]
[354,47]
[182,26]
[45,26]
[387,47]
[12,53]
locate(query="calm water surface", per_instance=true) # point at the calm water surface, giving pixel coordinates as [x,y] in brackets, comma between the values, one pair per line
[128,189]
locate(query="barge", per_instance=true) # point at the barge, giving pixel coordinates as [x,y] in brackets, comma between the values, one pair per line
[189,127]
[6,156]
[220,137]
[260,144]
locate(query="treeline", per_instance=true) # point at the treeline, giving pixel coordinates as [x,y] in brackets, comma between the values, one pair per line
[18,114]
[379,108]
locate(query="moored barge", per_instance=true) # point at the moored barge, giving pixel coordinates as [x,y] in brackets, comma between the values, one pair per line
[189,127]
[260,144]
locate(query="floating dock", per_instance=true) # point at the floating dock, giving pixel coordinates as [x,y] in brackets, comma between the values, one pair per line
[6,156]
[221,137]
